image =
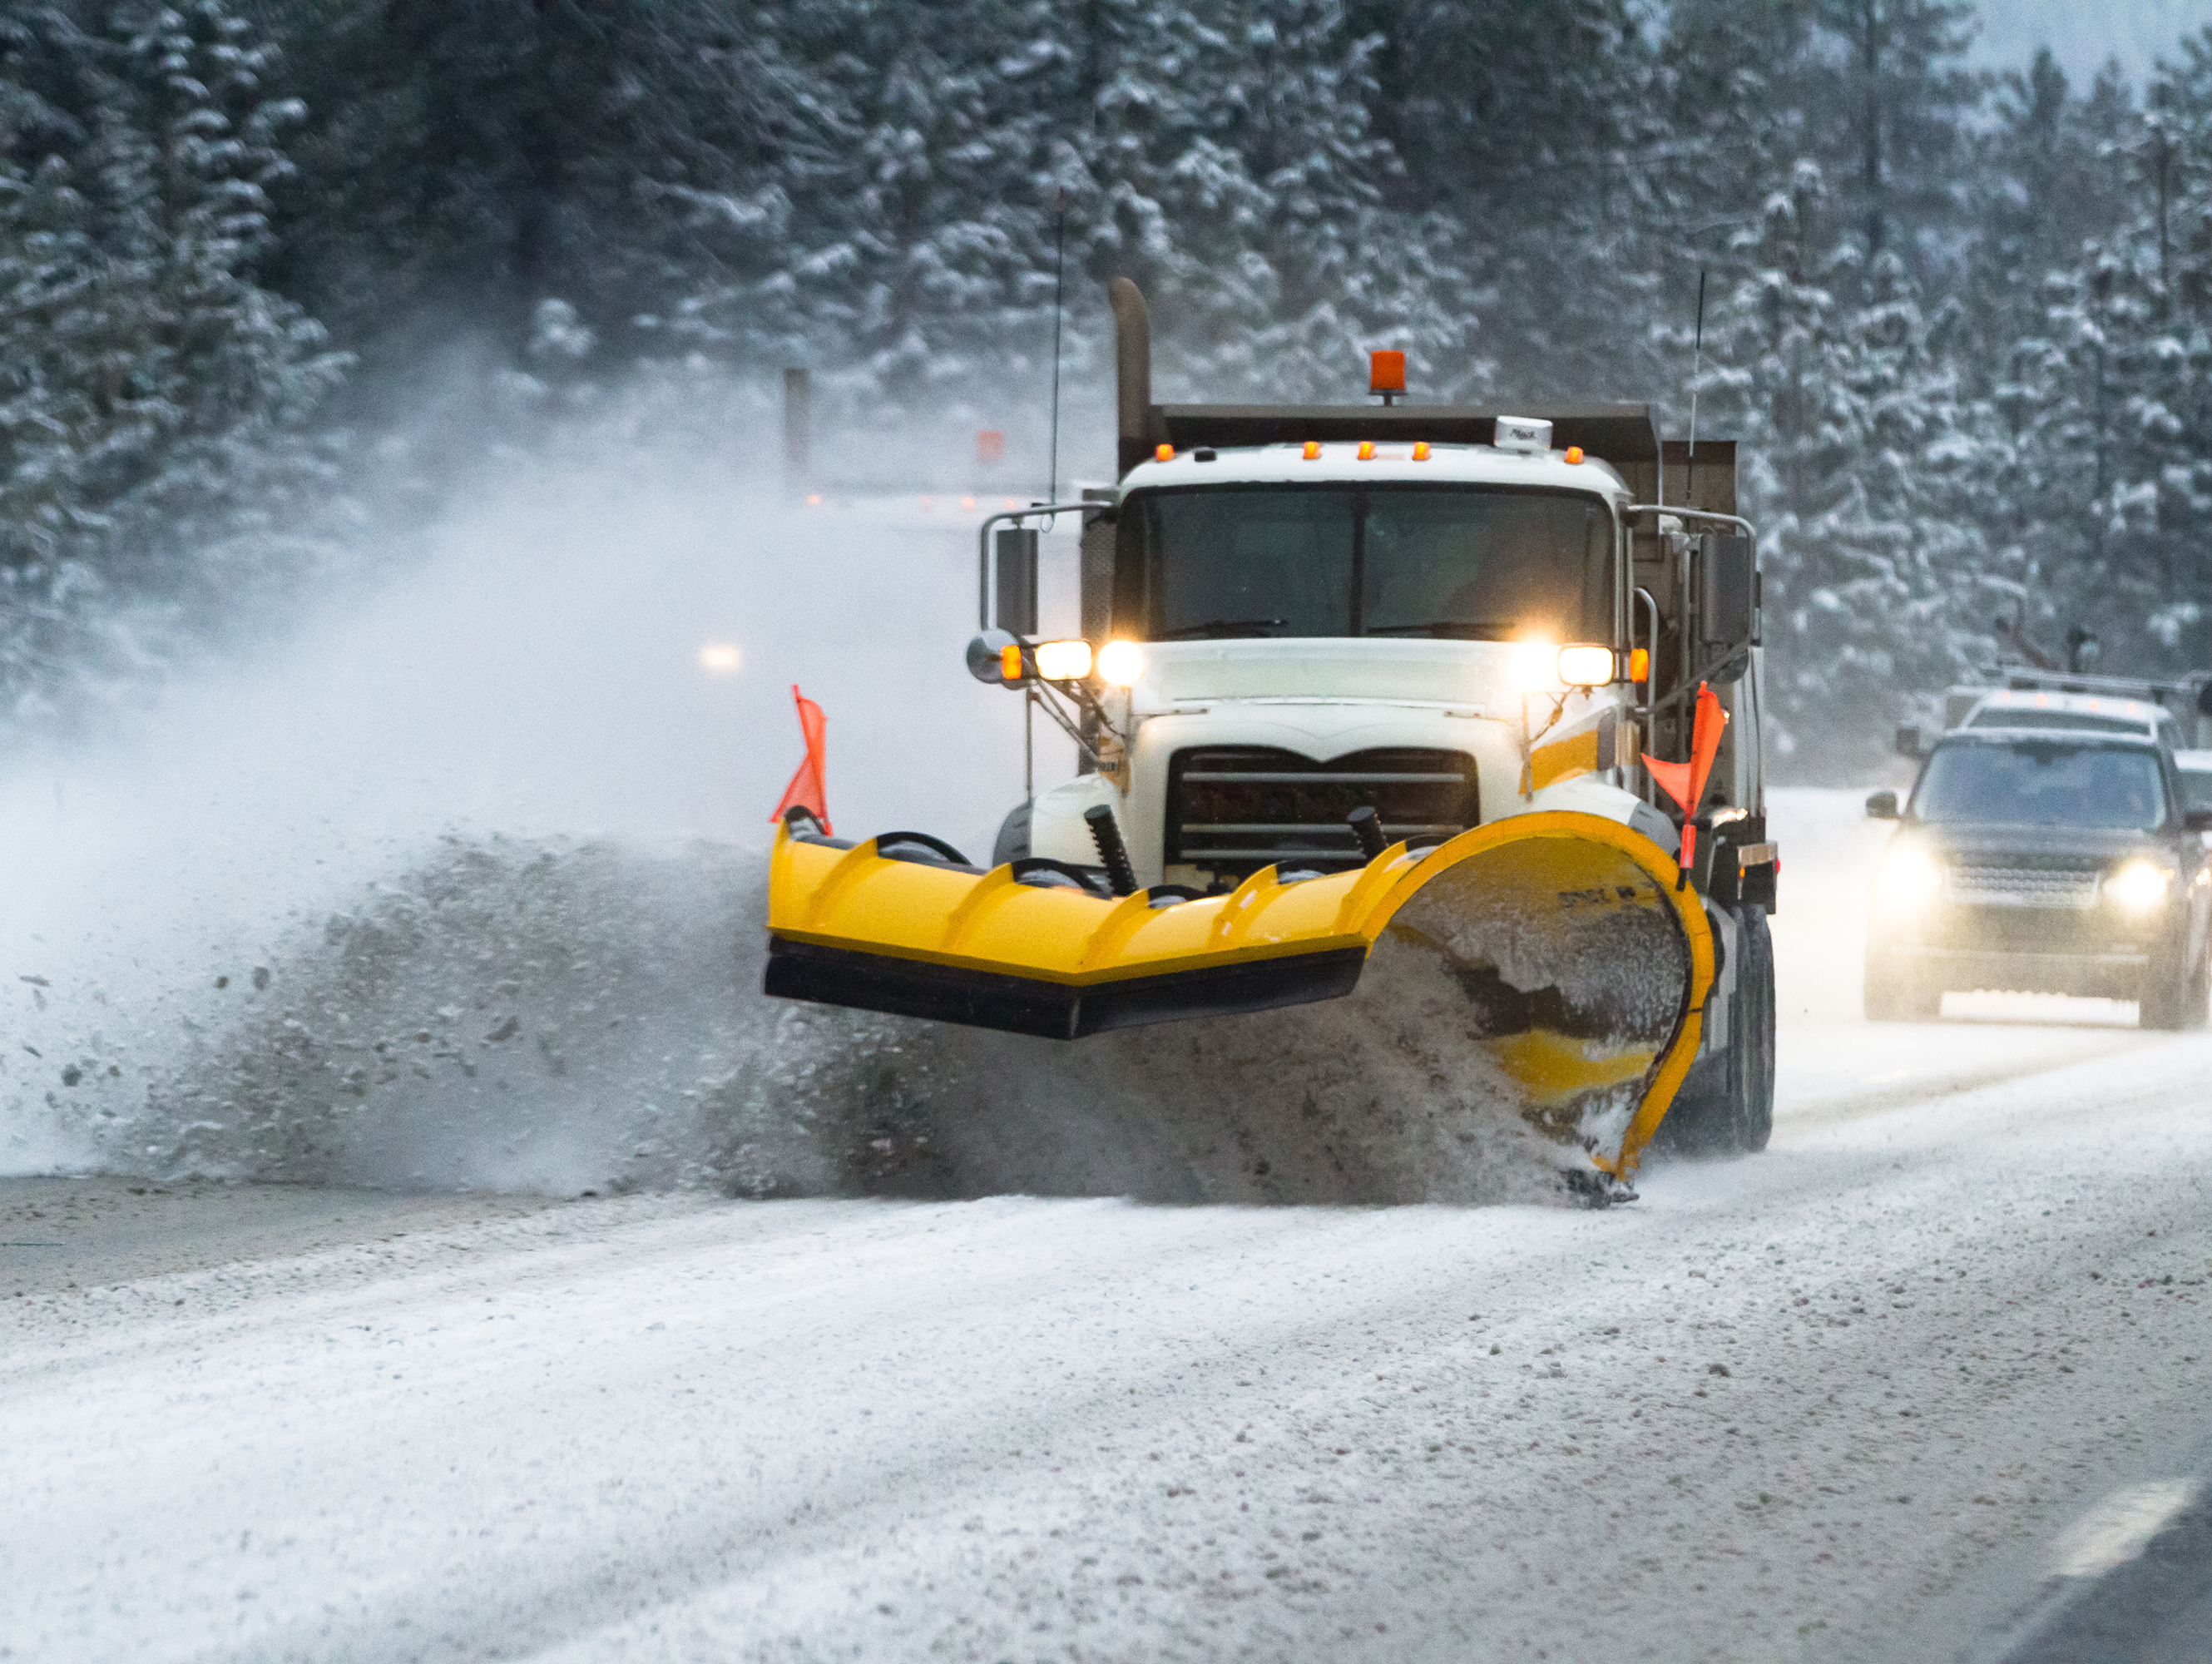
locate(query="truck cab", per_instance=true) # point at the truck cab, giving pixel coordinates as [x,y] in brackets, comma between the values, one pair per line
[1325,625]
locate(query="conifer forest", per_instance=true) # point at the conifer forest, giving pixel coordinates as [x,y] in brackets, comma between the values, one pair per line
[276,276]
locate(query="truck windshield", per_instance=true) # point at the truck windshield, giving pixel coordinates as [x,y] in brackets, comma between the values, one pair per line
[2042,783]
[1483,563]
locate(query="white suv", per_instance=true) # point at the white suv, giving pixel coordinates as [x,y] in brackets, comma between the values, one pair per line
[2078,713]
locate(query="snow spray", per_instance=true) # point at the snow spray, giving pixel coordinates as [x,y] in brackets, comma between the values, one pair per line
[461,885]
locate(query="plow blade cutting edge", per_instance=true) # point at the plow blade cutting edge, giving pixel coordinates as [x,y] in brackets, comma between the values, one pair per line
[1549,955]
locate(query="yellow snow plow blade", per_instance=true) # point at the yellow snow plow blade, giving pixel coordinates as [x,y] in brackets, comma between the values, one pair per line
[1552,949]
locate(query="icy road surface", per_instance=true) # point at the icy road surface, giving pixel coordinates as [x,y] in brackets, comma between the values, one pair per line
[1845,1400]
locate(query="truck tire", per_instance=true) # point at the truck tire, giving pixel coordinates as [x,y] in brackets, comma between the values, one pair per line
[1013,840]
[1726,1104]
[1892,994]
[1755,1007]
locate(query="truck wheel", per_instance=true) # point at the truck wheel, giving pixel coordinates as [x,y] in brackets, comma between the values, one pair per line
[1013,840]
[1754,1011]
[1893,995]
[1726,1102]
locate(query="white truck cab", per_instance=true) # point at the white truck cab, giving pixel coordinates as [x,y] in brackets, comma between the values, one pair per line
[1314,633]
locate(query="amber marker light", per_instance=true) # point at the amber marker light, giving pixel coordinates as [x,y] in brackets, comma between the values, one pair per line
[1639,664]
[1420,450]
[1367,450]
[1574,453]
[1010,663]
[1313,450]
[1163,453]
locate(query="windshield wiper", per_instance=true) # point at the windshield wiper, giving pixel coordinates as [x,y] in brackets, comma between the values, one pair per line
[1463,629]
[1222,627]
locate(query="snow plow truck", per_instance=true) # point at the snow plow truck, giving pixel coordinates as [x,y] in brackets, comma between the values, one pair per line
[1433,730]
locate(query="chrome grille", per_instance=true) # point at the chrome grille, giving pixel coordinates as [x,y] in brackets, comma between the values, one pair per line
[1240,808]
[2022,886]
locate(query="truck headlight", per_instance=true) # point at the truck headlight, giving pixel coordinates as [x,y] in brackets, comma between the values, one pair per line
[1908,879]
[1535,664]
[2139,887]
[1582,667]
[1063,661]
[1121,662]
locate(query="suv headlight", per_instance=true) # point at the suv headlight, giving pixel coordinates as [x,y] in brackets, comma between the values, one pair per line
[2139,886]
[1908,879]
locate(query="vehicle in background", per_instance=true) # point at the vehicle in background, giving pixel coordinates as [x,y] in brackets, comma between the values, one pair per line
[2076,714]
[2179,707]
[2047,863]
[2196,771]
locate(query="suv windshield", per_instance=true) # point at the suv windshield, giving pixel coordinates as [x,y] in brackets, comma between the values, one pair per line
[1485,563]
[2043,783]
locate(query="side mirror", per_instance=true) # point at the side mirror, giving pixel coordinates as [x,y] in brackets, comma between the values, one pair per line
[1016,611]
[2197,820]
[1728,590]
[1908,743]
[1882,806]
[987,657]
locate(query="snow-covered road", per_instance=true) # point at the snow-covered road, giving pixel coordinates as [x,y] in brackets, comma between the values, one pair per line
[1835,1401]
[1776,1411]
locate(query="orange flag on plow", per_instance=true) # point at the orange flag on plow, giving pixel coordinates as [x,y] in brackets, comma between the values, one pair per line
[1684,782]
[806,790]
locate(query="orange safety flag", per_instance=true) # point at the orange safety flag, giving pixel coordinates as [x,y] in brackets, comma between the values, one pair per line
[1684,782]
[806,790]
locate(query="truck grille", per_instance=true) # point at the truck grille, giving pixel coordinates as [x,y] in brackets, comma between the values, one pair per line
[2023,886]
[1237,809]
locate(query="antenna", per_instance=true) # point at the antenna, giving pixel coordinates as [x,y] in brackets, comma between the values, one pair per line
[1697,365]
[1059,277]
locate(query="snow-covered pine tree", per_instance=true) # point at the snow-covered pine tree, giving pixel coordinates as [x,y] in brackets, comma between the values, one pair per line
[2108,389]
[1891,101]
[216,475]
[156,453]
[1291,263]
[1863,463]
[1531,130]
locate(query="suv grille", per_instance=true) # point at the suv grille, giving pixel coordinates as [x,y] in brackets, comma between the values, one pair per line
[2023,886]
[1237,809]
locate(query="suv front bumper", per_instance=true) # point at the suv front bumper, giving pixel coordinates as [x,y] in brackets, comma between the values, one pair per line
[2089,975]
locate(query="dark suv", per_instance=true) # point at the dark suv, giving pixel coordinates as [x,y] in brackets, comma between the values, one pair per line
[2036,862]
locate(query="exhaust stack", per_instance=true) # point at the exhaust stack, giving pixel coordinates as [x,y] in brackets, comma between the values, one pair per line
[1132,371]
